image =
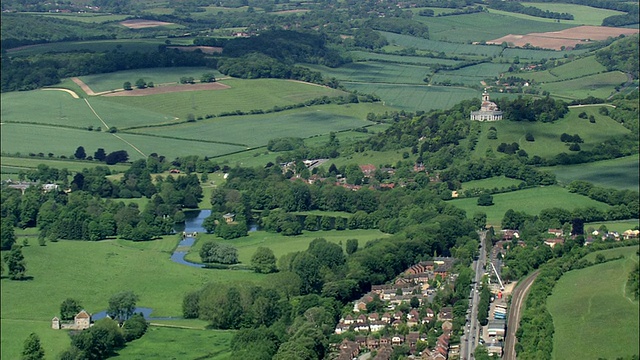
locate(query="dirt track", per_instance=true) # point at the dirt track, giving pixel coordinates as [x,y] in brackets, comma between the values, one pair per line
[73,94]
[83,86]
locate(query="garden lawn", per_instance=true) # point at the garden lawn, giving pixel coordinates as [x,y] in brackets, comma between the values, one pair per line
[621,173]
[530,201]
[91,272]
[175,343]
[592,315]
[280,244]
[547,135]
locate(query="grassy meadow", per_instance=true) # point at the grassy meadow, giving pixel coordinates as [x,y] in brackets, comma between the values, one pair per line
[281,245]
[575,69]
[102,269]
[598,85]
[490,183]
[376,72]
[176,343]
[619,226]
[71,165]
[531,201]
[582,15]
[547,135]
[593,315]
[621,173]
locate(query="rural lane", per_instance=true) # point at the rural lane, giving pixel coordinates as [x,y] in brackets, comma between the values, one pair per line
[517,299]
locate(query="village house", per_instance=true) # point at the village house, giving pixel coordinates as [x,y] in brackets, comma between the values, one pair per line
[348,350]
[630,234]
[553,242]
[368,169]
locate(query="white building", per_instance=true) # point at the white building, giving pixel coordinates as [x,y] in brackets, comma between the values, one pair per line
[488,110]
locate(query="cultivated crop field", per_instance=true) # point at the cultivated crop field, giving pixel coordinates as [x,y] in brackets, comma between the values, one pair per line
[448,48]
[621,173]
[107,268]
[531,201]
[401,59]
[597,85]
[415,97]
[593,316]
[483,26]
[282,245]
[574,69]
[111,81]
[582,15]
[376,72]
[547,135]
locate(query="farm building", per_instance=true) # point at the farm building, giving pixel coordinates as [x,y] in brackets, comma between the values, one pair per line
[488,110]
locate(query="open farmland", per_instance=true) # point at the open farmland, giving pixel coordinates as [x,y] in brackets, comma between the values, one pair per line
[111,81]
[547,135]
[17,164]
[593,315]
[400,59]
[558,40]
[491,183]
[582,15]
[574,69]
[376,72]
[415,97]
[531,201]
[244,95]
[598,85]
[303,122]
[448,48]
[107,267]
[96,18]
[483,26]
[470,75]
[620,226]
[621,173]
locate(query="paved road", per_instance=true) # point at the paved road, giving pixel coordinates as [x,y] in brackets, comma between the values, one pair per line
[470,339]
[518,296]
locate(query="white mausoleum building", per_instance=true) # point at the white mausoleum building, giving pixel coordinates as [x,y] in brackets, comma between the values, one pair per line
[488,110]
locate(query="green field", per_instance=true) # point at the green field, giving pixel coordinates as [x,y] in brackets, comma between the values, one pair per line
[95,18]
[112,81]
[483,26]
[619,226]
[575,69]
[281,245]
[376,72]
[91,272]
[530,201]
[471,75]
[448,48]
[490,183]
[582,15]
[593,316]
[175,343]
[26,164]
[421,60]
[621,173]
[245,95]
[415,97]
[598,85]
[547,135]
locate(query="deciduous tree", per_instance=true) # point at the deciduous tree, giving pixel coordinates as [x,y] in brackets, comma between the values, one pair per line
[15,263]
[122,305]
[32,349]
[69,308]
[263,260]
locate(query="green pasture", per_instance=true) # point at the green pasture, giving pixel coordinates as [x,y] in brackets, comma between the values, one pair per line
[449,48]
[415,97]
[619,226]
[91,272]
[621,173]
[245,95]
[490,183]
[483,26]
[27,138]
[539,54]
[377,158]
[256,130]
[436,11]
[376,72]
[196,324]
[280,244]
[531,201]
[125,45]
[598,85]
[471,75]
[575,69]
[94,18]
[112,81]
[175,343]
[401,59]
[582,15]
[547,135]
[593,316]
[54,107]
[71,165]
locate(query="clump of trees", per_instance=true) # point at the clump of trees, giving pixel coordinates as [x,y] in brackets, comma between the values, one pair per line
[214,252]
